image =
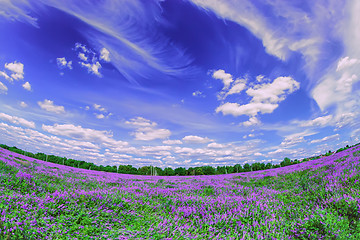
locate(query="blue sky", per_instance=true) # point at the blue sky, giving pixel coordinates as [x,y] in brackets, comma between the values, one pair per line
[179,83]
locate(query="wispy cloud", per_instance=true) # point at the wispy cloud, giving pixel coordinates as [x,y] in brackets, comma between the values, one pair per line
[17,120]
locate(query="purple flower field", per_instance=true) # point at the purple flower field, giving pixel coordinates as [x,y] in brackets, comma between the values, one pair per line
[319,199]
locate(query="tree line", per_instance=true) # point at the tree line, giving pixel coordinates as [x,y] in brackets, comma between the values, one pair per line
[168,171]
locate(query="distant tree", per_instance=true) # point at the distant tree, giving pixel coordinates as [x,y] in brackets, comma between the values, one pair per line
[4,146]
[169,171]
[208,170]
[268,166]
[238,168]
[220,170]
[190,171]
[145,170]
[286,162]
[159,171]
[180,171]
[230,169]
[199,171]
[262,166]
[247,167]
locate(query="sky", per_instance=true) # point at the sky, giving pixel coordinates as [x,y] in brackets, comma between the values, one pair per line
[173,83]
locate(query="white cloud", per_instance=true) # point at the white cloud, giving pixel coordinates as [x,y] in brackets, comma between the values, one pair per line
[251,122]
[274,92]
[99,107]
[83,134]
[196,139]
[346,62]
[237,87]
[250,109]
[87,108]
[260,78]
[23,104]
[198,94]
[82,47]
[226,78]
[99,116]
[146,131]
[4,74]
[265,99]
[49,106]
[15,11]
[342,120]
[3,88]
[92,68]
[336,90]
[332,137]
[216,145]
[292,141]
[172,142]
[17,68]
[82,57]
[141,122]
[27,86]
[318,122]
[62,63]
[148,134]
[105,55]
[17,120]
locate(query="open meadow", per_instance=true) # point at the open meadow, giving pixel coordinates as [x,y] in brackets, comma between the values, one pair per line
[318,199]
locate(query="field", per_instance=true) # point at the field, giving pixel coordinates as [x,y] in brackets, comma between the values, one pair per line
[318,199]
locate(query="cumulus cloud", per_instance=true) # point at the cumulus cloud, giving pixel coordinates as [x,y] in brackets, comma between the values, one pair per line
[172,142]
[226,78]
[141,122]
[4,74]
[3,88]
[49,106]
[82,57]
[328,138]
[17,120]
[216,145]
[81,47]
[62,63]
[23,104]
[99,116]
[196,139]
[198,94]
[92,68]
[27,86]
[250,109]
[237,87]
[148,134]
[105,55]
[17,70]
[146,130]
[253,121]
[274,92]
[265,99]
[99,107]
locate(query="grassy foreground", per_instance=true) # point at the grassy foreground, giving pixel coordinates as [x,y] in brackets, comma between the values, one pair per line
[319,199]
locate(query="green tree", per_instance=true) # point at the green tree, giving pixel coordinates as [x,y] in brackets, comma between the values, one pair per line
[169,171]
[208,170]
[238,168]
[247,167]
[180,171]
